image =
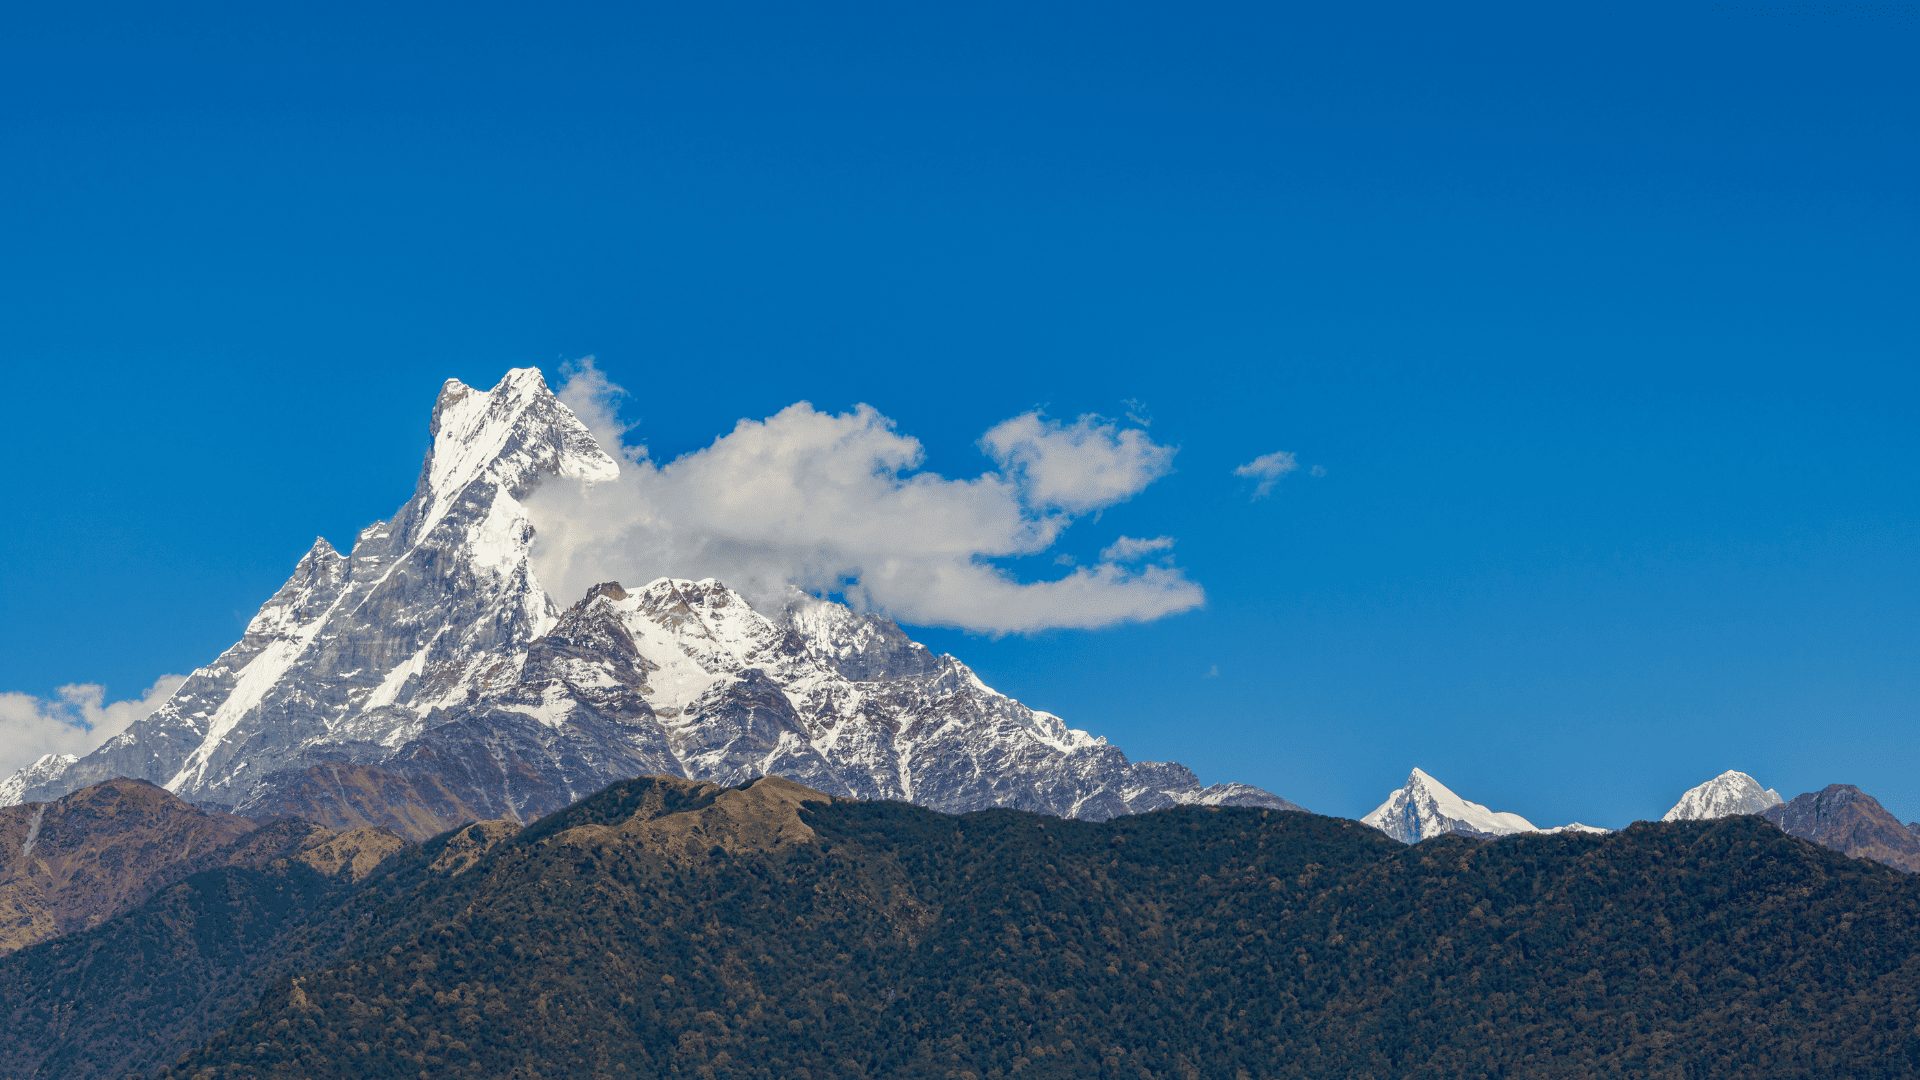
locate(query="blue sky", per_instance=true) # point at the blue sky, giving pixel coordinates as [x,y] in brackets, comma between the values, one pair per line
[1601,324]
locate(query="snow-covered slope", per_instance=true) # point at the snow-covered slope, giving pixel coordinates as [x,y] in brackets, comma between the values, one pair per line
[432,654]
[688,678]
[1725,795]
[1426,808]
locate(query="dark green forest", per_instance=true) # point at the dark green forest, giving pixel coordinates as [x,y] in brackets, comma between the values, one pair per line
[669,929]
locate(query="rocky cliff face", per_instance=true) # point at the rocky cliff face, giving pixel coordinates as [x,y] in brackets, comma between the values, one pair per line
[427,678]
[1846,819]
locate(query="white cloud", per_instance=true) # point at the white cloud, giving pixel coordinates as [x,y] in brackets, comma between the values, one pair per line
[1090,463]
[839,503]
[1129,548]
[1267,469]
[595,400]
[75,721]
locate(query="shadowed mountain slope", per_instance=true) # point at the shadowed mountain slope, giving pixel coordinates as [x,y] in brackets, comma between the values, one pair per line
[1846,819]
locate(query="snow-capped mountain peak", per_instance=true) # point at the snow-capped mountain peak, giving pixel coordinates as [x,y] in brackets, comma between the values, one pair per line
[511,436]
[430,654]
[426,610]
[1725,795]
[1426,808]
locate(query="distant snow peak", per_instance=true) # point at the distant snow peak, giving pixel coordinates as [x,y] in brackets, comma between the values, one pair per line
[1726,795]
[1425,808]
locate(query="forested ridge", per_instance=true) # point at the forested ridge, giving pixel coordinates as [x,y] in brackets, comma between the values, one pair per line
[678,929]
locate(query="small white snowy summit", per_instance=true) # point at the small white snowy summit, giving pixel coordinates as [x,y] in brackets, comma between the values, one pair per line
[48,767]
[1725,795]
[1426,808]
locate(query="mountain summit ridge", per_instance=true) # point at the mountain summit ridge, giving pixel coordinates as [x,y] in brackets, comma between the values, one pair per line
[428,663]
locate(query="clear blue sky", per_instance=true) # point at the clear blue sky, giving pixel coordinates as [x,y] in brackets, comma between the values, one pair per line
[1601,321]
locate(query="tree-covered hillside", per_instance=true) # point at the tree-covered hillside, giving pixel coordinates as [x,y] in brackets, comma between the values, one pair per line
[664,928]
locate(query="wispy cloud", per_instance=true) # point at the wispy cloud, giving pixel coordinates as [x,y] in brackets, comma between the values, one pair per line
[1266,470]
[840,503]
[1132,548]
[74,721]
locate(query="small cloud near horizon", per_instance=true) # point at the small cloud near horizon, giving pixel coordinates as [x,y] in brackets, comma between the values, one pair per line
[75,721]
[1267,469]
[1134,548]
